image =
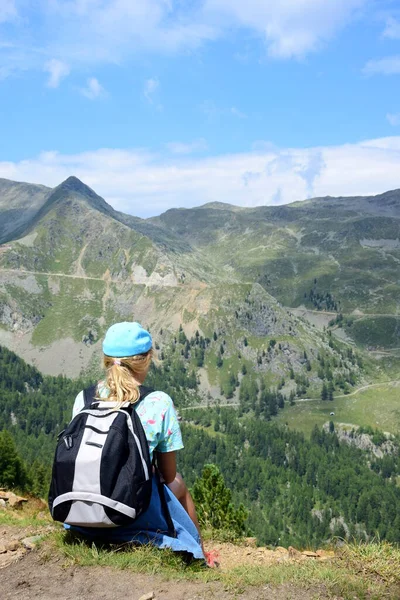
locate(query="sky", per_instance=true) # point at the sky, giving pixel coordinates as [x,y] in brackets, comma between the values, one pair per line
[174,103]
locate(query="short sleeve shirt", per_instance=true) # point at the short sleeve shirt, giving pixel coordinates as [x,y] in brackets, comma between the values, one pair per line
[157,415]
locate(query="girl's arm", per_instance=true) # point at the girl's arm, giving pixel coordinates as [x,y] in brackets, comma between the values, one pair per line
[166,462]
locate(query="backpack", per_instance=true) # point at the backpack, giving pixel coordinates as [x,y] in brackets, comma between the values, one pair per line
[102,473]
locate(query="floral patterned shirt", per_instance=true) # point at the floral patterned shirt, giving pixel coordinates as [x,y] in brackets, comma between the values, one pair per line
[158,417]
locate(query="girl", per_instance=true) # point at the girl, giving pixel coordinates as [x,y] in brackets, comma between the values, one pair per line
[128,353]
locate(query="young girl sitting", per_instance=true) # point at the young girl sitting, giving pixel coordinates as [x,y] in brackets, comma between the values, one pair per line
[128,353]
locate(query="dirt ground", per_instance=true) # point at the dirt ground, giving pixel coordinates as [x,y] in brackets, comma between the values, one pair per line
[30,574]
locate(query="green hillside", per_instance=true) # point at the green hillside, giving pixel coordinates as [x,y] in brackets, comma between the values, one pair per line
[297,491]
[230,274]
[353,255]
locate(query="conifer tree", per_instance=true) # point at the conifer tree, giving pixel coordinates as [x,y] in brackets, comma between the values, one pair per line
[12,469]
[213,501]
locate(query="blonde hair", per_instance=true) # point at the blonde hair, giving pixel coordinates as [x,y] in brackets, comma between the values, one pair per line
[124,376]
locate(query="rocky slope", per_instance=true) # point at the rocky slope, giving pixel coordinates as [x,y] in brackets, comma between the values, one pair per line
[70,265]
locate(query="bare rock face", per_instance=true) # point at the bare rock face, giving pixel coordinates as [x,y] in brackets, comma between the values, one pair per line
[364,441]
[13,319]
[90,337]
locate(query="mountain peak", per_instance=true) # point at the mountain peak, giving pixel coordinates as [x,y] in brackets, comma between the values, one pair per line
[219,206]
[74,189]
[73,184]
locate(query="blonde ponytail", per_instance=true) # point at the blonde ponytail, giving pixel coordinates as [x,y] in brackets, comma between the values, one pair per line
[124,376]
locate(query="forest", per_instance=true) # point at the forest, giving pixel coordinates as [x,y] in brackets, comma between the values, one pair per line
[297,491]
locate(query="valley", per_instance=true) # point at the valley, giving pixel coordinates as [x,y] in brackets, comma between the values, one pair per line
[276,332]
[288,299]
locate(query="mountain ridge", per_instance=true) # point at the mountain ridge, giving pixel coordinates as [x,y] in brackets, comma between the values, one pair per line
[73,184]
[81,265]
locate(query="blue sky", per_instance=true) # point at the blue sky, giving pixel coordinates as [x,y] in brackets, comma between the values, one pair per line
[161,103]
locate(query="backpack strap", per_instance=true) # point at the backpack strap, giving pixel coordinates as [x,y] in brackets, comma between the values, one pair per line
[145,391]
[89,395]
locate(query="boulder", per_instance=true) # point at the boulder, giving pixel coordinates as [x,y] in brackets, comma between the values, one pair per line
[293,553]
[5,495]
[16,501]
[12,546]
[325,554]
[30,542]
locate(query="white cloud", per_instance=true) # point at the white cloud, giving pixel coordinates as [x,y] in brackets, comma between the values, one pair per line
[199,145]
[291,28]
[93,89]
[393,118]
[111,30]
[392,29]
[144,183]
[87,33]
[390,65]
[57,70]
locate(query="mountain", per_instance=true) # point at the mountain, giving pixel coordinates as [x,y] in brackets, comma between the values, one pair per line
[350,245]
[19,203]
[74,265]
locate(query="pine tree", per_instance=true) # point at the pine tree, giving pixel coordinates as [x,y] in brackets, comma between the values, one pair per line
[12,469]
[213,501]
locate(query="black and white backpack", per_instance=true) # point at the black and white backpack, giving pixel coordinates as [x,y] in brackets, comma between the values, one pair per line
[102,473]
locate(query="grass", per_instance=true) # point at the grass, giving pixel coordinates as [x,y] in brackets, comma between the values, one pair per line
[366,571]
[370,571]
[33,513]
[381,332]
[378,407]
[377,558]
[68,313]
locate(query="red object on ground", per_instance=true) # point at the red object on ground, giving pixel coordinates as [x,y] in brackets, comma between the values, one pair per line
[212,559]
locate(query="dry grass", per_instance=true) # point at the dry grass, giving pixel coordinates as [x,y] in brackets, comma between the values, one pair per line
[369,572]
[358,571]
[379,560]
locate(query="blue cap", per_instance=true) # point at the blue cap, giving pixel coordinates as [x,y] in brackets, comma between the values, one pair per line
[126,339]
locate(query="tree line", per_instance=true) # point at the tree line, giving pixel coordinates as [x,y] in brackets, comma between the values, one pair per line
[294,490]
